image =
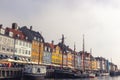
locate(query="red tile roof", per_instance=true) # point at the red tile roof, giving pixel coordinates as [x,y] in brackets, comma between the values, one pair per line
[16,32]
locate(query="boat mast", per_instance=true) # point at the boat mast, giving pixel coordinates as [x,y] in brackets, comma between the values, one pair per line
[39,52]
[74,53]
[62,48]
[91,59]
[83,53]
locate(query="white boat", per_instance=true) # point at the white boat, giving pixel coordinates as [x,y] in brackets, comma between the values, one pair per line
[91,75]
[105,74]
[34,72]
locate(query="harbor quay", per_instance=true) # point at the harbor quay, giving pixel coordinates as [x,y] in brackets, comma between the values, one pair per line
[25,53]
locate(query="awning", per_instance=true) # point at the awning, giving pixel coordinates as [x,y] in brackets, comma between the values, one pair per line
[7,60]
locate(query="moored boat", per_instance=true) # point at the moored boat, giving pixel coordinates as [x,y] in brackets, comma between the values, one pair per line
[91,75]
[34,72]
[105,74]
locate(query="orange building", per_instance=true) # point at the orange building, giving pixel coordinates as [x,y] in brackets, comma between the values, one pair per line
[37,51]
[70,59]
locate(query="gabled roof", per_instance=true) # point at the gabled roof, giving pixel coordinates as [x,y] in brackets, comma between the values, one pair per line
[31,34]
[49,45]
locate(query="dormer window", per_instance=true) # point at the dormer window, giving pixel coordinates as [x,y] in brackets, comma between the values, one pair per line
[2,31]
[26,38]
[34,38]
[38,39]
[10,34]
[41,40]
[49,50]
[18,35]
[45,48]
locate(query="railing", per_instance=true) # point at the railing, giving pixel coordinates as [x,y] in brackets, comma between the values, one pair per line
[6,72]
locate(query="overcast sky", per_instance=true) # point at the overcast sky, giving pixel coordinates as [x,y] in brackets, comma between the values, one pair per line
[98,20]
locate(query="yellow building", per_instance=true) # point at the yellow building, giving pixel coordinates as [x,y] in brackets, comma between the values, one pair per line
[93,64]
[56,56]
[37,51]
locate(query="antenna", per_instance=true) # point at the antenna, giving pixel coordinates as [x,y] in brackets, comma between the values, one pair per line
[62,39]
[74,47]
[91,51]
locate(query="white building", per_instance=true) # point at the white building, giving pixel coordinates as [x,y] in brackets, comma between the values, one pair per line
[6,44]
[22,49]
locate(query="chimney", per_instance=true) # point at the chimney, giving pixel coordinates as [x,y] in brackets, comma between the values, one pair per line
[14,25]
[52,42]
[0,25]
[30,27]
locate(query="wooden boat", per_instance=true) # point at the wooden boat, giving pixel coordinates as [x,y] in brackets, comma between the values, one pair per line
[34,72]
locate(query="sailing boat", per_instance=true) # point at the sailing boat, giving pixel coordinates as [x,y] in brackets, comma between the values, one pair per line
[34,71]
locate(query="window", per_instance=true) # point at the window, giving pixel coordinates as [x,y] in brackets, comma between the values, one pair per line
[16,42]
[26,38]
[12,50]
[34,38]
[29,52]
[0,38]
[19,51]
[23,51]
[20,43]
[38,39]
[8,49]
[26,52]
[47,48]
[26,44]
[18,35]
[2,31]
[29,45]
[3,48]
[41,40]
[0,47]
[11,34]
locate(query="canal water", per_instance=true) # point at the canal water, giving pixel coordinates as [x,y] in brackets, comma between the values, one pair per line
[97,78]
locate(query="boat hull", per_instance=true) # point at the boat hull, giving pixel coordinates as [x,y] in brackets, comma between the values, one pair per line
[91,75]
[33,77]
[60,74]
[104,74]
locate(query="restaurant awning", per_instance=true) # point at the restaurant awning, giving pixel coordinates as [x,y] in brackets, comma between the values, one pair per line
[7,60]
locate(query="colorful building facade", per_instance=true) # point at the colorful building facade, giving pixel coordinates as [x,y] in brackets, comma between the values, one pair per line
[6,44]
[22,47]
[37,43]
[47,53]
[57,56]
